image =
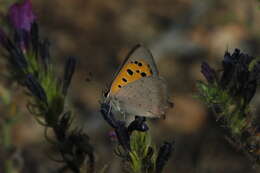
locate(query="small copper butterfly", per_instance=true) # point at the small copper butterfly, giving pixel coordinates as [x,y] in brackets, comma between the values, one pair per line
[137,89]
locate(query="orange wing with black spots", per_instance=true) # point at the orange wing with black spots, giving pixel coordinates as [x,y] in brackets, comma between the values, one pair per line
[129,73]
[138,64]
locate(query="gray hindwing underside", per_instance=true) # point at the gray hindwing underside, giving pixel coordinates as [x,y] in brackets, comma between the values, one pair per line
[145,97]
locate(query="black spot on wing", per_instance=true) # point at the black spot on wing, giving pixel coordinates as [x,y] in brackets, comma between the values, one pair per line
[124,79]
[143,74]
[130,72]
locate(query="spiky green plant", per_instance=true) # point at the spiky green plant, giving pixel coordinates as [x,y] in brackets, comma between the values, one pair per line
[228,93]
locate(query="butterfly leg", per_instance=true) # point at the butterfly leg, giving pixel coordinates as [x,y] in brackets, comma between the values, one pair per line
[108,115]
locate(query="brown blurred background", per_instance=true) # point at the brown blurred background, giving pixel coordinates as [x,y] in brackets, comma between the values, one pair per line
[180,34]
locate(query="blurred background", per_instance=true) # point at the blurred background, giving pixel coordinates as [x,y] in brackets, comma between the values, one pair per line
[180,34]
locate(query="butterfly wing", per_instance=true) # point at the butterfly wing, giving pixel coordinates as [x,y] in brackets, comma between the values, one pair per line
[138,64]
[146,97]
[140,53]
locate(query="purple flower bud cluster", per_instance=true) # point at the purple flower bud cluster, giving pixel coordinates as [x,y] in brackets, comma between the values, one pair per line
[24,40]
[238,80]
[239,77]
[22,19]
[30,65]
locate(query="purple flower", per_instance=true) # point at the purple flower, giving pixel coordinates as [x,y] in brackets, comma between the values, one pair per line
[112,135]
[163,155]
[21,15]
[208,72]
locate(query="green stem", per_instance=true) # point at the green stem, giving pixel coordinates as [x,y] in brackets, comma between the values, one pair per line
[6,136]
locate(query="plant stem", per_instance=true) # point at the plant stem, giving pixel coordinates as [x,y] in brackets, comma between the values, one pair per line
[6,136]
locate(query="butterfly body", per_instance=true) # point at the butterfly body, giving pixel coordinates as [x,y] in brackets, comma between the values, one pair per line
[137,88]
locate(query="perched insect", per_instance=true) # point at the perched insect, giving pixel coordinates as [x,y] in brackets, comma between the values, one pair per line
[137,89]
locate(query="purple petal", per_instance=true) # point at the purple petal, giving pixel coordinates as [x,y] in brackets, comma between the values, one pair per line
[208,72]
[21,15]
[112,135]
[164,154]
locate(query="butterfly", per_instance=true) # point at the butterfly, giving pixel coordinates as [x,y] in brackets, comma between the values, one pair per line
[137,89]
